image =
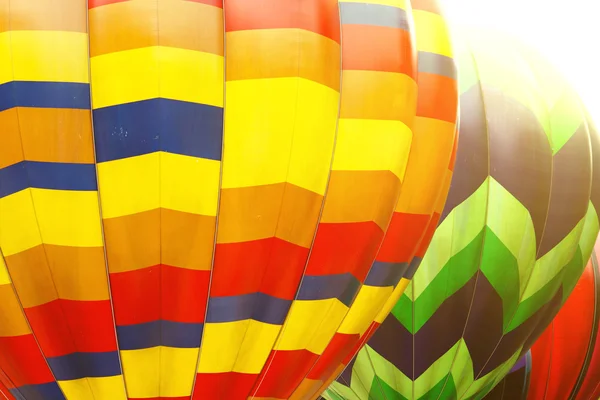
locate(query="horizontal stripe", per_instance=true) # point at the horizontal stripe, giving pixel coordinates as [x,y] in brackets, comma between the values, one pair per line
[278,53]
[136,24]
[99,3]
[46,15]
[320,287]
[81,365]
[437,64]
[286,211]
[159,333]
[386,273]
[377,48]
[257,306]
[445,91]
[373,14]
[44,391]
[319,16]
[22,361]
[106,387]
[45,175]
[44,95]
[149,126]
[134,75]
[431,6]
[393,3]
[368,302]
[412,268]
[211,385]
[12,320]
[50,56]
[46,135]
[437,39]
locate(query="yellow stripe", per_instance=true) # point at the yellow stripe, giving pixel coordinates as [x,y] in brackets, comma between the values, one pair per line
[392,300]
[189,184]
[105,388]
[151,72]
[372,145]
[240,346]
[18,225]
[435,38]
[393,3]
[368,303]
[50,56]
[311,324]
[277,130]
[159,371]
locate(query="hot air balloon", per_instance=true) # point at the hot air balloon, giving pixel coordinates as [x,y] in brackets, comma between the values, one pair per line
[515,235]
[565,358]
[206,199]
[515,384]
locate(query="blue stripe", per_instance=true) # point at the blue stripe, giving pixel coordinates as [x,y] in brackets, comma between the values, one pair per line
[257,306]
[44,95]
[82,365]
[46,175]
[42,391]
[412,268]
[385,274]
[319,287]
[143,127]
[159,333]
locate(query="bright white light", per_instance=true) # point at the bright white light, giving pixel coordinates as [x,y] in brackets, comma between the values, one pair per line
[567,32]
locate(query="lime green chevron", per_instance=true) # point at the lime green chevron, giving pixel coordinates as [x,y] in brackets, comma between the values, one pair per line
[468,218]
[565,118]
[591,228]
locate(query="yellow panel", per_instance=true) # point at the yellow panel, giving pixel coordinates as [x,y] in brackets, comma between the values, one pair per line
[189,184]
[385,147]
[258,343]
[130,185]
[50,56]
[177,371]
[105,388]
[133,75]
[4,277]
[368,303]
[68,218]
[241,346]
[18,225]
[277,129]
[311,324]
[393,3]
[141,369]
[437,39]
[392,300]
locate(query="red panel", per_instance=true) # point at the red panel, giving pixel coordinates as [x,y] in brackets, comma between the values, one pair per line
[341,248]
[22,361]
[184,294]
[319,16]
[214,3]
[438,97]
[136,295]
[286,369]
[48,323]
[402,237]
[335,351]
[223,386]
[160,398]
[590,388]
[567,340]
[272,266]
[99,3]
[91,325]
[377,48]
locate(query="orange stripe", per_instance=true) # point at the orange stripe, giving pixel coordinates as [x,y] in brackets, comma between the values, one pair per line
[133,24]
[12,321]
[438,97]
[11,151]
[46,15]
[377,48]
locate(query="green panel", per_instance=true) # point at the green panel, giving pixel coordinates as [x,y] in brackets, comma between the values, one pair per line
[382,391]
[403,311]
[573,272]
[443,390]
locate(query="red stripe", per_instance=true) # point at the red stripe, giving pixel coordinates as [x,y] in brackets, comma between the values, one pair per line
[160,398]
[271,266]
[136,295]
[184,294]
[402,237]
[342,248]
[100,3]
[47,322]
[286,369]
[319,16]
[341,344]
[377,48]
[22,361]
[226,385]
[438,97]
[214,3]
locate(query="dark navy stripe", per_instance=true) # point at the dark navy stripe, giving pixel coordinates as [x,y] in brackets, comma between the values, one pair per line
[412,268]
[257,306]
[438,64]
[42,391]
[385,274]
[44,95]
[373,14]
[46,175]
[319,287]
[143,127]
[159,333]
[82,365]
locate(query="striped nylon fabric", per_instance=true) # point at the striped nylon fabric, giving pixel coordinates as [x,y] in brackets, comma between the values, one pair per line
[515,235]
[208,200]
[50,230]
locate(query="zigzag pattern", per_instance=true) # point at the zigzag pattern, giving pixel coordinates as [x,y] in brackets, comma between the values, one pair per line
[511,244]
